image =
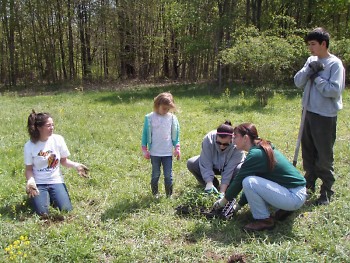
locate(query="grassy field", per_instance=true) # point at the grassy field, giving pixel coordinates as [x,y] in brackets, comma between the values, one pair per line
[115,217]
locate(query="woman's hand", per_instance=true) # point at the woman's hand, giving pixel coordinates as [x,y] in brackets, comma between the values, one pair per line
[31,188]
[220,204]
[210,188]
[82,170]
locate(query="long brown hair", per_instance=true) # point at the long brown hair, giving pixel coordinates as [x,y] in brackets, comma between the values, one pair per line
[36,120]
[250,130]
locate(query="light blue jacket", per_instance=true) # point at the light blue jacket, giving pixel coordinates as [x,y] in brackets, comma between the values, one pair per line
[147,131]
[326,90]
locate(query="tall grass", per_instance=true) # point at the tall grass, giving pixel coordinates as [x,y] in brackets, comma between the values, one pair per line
[115,217]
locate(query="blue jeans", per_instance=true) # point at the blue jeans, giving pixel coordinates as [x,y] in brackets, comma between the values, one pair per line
[167,163]
[55,194]
[261,192]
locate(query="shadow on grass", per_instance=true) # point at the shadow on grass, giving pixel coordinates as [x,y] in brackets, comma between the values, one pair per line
[230,232]
[125,207]
[192,91]
[23,210]
[18,211]
[179,91]
[255,106]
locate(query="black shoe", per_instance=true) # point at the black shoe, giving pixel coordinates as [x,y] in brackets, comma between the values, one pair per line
[281,215]
[322,200]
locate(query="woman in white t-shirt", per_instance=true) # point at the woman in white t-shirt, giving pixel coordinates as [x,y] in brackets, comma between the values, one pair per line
[43,154]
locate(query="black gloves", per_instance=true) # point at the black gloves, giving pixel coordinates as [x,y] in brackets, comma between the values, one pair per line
[315,67]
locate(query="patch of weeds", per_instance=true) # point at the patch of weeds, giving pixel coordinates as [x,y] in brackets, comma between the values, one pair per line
[195,202]
[226,95]
[264,93]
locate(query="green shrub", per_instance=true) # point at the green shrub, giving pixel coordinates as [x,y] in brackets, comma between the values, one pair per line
[264,59]
[341,48]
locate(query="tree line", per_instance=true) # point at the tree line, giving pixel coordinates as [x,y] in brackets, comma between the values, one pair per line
[50,41]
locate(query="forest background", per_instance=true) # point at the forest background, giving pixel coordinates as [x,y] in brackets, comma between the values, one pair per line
[104,41]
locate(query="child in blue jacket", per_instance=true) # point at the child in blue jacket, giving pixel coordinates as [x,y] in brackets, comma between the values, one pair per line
[161,132]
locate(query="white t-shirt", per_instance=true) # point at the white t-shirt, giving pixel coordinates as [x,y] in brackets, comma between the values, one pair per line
[45,158]
[161,135]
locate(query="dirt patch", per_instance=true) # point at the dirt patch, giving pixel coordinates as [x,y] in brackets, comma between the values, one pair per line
[241,258]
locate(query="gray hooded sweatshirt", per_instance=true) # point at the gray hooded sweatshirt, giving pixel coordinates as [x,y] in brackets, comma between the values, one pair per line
[326,90]
[225,161]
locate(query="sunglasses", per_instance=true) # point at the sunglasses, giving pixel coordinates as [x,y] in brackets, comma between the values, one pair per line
[223,144]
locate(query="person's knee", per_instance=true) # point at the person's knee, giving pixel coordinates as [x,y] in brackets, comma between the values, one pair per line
[39,204]
[190,163]
[63,204]
[41,210]
[66,208]
[249,182]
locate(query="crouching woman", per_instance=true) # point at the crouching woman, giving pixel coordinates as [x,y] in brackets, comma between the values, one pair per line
[267,178]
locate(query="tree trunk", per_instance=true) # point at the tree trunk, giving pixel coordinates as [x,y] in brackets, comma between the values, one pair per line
[247,13]
[10,34]
[72,71]
[175,55]
[310,6]
[60,38]
[84,41]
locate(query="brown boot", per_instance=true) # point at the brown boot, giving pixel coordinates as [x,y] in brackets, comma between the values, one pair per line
[261,224]
[281,215]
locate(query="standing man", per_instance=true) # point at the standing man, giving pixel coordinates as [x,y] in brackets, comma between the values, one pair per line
[323,81]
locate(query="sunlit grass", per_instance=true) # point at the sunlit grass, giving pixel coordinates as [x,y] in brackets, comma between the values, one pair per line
[116,219]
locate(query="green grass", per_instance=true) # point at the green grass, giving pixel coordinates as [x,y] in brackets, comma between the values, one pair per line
[115,218]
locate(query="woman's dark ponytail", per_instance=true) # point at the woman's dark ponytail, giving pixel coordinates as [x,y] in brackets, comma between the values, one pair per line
[36,120]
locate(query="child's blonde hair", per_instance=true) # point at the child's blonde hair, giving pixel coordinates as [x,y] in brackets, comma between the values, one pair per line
[164,98]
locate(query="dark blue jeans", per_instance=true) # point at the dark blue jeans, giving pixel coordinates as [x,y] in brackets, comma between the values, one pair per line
[167,163]
[317,143]
[55,194]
